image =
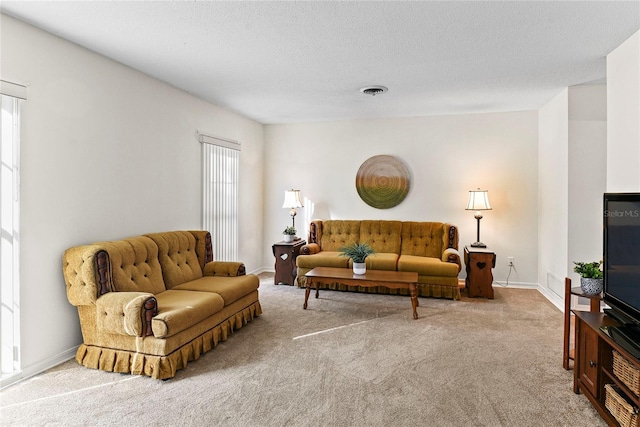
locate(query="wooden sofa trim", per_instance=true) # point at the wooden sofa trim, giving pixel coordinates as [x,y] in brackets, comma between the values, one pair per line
[452,238]
[102,261]
[208,248]
[150,310]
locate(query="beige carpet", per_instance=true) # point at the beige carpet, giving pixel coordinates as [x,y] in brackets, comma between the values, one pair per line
[349,360]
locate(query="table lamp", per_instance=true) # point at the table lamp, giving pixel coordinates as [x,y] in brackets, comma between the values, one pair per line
[292,201]
[478,201]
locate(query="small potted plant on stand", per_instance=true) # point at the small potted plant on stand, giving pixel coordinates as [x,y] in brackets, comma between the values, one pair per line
[358,252]
[289,234]
[591,277]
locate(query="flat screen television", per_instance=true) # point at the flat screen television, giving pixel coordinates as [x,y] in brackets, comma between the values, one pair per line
[621,263]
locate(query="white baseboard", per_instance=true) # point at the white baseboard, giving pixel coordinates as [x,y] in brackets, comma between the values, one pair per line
[516,285]
[37,368]
[552,297]
[262,270]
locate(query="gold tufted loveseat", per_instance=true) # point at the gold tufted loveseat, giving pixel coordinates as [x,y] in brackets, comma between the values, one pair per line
[150,304]
[428,248]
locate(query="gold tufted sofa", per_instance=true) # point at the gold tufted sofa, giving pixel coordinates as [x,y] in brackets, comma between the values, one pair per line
[428,248]
[150,304]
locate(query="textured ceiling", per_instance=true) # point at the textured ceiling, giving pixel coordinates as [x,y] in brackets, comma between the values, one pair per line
[284,62]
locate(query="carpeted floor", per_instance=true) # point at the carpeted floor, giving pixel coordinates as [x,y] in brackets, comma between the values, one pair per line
[349,360]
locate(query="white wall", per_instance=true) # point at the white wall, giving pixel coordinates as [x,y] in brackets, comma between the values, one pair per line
[587,173]
[447,156]
[107,153]
[553,178]
[623,113]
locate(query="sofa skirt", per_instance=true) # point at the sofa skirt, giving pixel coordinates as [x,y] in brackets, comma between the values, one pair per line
[164,367]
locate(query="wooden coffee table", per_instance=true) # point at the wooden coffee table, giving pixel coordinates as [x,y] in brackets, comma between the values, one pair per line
[388,279]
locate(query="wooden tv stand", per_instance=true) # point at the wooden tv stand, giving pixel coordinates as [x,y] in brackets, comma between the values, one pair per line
[593,366]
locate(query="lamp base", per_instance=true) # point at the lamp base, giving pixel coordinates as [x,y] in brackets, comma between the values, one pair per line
[478,245]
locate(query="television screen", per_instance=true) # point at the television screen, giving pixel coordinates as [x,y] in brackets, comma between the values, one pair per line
[622,253]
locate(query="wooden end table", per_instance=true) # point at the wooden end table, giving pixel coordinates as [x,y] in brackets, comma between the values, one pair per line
[285,266]
[479,262]
[388,279]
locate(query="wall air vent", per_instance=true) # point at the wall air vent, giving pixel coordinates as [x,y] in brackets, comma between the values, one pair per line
[373,90]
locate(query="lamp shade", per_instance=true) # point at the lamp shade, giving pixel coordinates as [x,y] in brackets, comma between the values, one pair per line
[292,199]
[478,200]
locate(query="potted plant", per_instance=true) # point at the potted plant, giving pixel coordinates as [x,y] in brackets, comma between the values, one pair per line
[357,252]
[289,234]
[591,277]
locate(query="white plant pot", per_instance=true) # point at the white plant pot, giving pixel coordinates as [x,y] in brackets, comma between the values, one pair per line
[288,237]
[359,268]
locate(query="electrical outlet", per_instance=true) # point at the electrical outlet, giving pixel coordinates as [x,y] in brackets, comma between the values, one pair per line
[511,260]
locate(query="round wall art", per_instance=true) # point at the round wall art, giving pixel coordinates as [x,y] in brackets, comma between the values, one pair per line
[383,181]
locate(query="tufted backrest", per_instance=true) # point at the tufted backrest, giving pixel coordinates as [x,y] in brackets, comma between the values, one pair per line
[382,236]
[422,239]
[178,257]
[133,265]
[338,233]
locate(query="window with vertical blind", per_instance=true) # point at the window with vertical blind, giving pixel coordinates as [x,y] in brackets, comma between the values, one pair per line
[220,174]
[11,96]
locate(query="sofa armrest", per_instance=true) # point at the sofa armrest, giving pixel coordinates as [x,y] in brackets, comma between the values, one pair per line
[224,268]
[84,276]
[452,255]
[310,249]
[126,313]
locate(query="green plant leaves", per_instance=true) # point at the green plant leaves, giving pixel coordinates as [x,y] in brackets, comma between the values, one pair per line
[357,251]
[589,270]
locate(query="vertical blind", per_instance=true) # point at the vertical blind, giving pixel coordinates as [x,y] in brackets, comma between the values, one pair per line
[220,174]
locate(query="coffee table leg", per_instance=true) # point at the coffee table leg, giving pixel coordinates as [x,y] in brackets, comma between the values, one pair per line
[306,293]
[317,289]
[414,299]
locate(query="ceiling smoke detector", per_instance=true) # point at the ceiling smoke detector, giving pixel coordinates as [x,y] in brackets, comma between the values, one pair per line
[373,90]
